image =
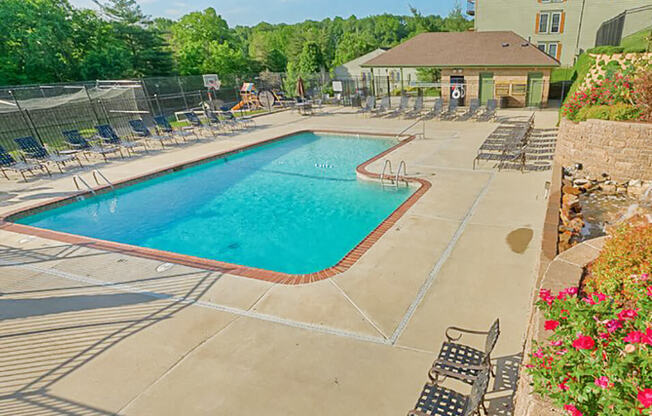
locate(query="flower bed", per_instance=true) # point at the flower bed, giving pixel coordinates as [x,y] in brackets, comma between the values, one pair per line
[596,360]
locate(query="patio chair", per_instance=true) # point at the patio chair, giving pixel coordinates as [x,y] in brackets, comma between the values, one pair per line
[437,108]
[382,109]
[215,122]
[140,130]
[489,112]
[7,162]
[369,105]
[436,400]
[474,106]
[417,109]
[195,122]
[402,107]
[75,140]
[33,149]
[164,126]
[462,362]
[246,121]
[108,135]
[451,112]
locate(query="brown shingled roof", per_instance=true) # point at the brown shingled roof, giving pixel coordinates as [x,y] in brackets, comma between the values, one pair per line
[460,49]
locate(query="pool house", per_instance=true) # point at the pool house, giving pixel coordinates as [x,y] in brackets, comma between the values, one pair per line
[482,65]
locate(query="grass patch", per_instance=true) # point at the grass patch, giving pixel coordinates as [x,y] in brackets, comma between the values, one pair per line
[562,74]
[637,42]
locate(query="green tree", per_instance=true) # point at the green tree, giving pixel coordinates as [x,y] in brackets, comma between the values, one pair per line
[352,45]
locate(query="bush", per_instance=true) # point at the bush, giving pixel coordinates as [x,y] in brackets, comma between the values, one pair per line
[643,95]
[609,91]
[597,360]
[616,112]
[606,50]
[626,253]
[635,49]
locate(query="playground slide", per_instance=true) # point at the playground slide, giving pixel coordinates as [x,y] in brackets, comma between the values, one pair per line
[238,106]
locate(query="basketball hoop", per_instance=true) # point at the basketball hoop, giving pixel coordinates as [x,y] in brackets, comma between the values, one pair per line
[212,82]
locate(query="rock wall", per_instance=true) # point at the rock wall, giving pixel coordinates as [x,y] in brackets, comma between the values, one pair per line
[621,149]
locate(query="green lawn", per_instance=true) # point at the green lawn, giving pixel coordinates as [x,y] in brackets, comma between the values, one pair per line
[638,40]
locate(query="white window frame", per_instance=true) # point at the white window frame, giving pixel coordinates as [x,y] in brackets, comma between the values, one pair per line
[549,16]
[547,46]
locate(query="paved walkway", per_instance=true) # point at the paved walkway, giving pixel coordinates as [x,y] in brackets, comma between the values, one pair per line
[88,332]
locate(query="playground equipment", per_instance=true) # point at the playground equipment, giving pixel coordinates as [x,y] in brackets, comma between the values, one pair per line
[248,98]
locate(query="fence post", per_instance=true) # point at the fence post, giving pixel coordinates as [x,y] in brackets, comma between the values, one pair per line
[183,94]
[158,104]
[149,104]
[26,118]
[90,101]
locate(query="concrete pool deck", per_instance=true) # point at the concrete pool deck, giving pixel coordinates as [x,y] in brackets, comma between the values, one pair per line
[87,331]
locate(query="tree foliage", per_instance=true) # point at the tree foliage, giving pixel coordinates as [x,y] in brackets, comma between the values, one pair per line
[49,41]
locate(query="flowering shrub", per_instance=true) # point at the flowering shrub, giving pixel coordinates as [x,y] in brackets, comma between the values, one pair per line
[613,90]
[597,360]
[643,95]
[627,252]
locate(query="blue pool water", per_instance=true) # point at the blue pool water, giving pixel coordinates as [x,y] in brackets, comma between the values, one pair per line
[293,206]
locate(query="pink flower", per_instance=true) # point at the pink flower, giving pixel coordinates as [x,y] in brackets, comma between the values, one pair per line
[546,296]
[595,298]
[647,338]
[634,337]
[572,410]
[604,335]
[555,343]
[584,342]
[602,382]
[571,290]
[538,353]
[562,351]
[613,325]
[563,387]
[626,314]
[563,314]
[630,348]
[649,290]
[551,325]
[645,397]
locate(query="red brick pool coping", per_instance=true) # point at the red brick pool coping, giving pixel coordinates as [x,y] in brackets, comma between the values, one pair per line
[191,261]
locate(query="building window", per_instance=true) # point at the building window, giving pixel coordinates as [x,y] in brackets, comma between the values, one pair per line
[551,48]
[550,22]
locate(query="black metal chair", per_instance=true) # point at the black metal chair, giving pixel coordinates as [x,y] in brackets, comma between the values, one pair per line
[436,400]
[76,141]
[108,135]
[462,362]
[140,130]
[7,162]
[34,150]
[164,127]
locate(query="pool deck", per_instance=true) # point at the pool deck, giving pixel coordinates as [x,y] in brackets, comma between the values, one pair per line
[95,332]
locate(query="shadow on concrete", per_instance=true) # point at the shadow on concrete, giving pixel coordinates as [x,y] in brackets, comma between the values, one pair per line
[500,396]
[53,325]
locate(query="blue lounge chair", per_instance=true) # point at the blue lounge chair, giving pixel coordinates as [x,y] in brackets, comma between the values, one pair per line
[7,162]
[76,141]
[245,121]
[451,113]
[195,122]
[139,129]
[474,106]
[33,149]
[108,135]
[164,127]
[436,109]
[214,121]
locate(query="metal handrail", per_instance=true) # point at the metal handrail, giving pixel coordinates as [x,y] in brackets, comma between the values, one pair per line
[412,125]
[97,173]
[382,175]
[76,179]
[398,172]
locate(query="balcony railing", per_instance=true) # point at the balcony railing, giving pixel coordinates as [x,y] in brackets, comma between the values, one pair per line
[470,7]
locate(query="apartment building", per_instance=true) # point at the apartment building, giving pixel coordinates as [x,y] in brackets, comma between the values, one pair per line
[561,28]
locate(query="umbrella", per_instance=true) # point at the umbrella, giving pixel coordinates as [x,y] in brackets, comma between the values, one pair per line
[301,91]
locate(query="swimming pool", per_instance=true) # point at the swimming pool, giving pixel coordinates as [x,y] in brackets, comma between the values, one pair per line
[293,206]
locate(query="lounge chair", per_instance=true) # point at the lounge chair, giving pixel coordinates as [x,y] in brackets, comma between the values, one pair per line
[489,112]
[246,121]
[436,400]
[76,141]
[33,149]
[474,106]
[369,105]
[451,112]
[195,122]
[215,122]
[108,135]
[164,127]
[382,109]
[462,362]
[140,130]
[7,162]
[437,108]
[402,107]
[418,108]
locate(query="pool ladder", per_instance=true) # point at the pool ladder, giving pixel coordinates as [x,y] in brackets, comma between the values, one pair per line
[97,175]
[395,178]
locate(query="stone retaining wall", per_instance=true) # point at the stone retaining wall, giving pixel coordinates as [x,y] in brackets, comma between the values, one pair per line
[621,149]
